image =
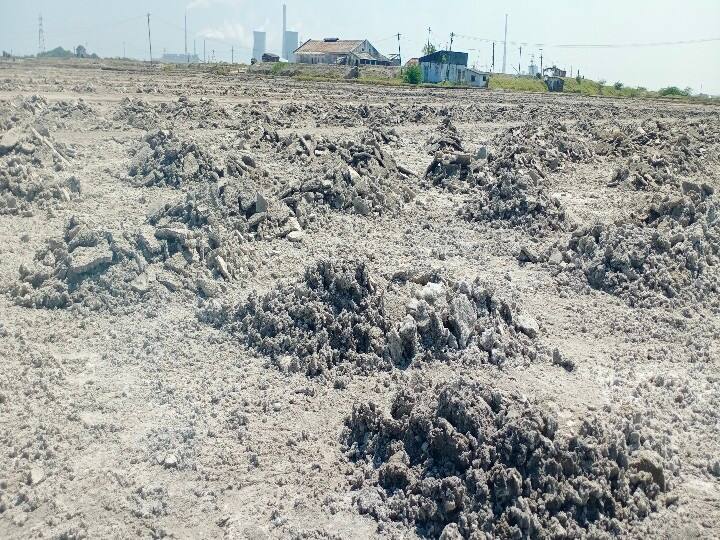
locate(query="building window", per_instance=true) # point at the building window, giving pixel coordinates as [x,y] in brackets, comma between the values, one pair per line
[472,78]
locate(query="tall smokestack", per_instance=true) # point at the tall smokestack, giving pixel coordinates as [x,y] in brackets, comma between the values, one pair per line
[284,49]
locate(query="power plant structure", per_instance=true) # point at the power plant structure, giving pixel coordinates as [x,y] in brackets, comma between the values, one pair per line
[259,45]
[289,39]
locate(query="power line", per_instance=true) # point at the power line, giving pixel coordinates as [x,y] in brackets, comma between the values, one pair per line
[596,45]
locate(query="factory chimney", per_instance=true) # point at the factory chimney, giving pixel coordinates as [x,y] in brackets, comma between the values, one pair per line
[284,39]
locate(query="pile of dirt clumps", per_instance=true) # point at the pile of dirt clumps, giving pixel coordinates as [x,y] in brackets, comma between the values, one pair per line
[513,186]
[659,154]
[220,217]
[353,176]
[383,135]
[98,268]
[166,160]
[520,198]
[670,255]
[137,113]
[30,164]
[442,318]
[445,139]
[76,109]
[455,171]
[535,146]
[451,168]
[335,315]
[205,111]
[19,110]
[464,460]
[86,266]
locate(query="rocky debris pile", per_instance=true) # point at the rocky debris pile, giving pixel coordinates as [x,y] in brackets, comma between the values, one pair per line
[513,185]
[442,318]
[332,113]
[455,171]
[453,168]
[81,267]
[338,316]
[520,198]
[19,110]
[539,146]
[659,153]
[30,166]
[465,460]
[166,160]
[99,268]
[219,218]
[333,316]
[76,109]
[354,176]
[670,255]
[137,113]
[445,139]
[382,135]
[206,112]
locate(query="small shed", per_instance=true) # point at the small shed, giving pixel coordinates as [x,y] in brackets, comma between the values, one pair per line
[555,84]
[451,66]
[270,57]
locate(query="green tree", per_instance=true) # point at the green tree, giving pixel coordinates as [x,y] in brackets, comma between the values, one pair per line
[428,48]
[412,74]
[618,85]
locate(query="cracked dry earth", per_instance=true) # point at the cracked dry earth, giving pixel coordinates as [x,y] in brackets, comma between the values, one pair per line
[250,307]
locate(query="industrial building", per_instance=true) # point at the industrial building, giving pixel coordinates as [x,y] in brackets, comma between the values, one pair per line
[351,52]
[258,45]
[289,39]
[451,66]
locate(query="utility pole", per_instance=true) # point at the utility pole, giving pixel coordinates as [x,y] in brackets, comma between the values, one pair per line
[505,46]
[232,54]
[399,57]
[542,73]
[41,35]
[429,32]
[204,53]
[187,58]
[149,39]
[452,35]
[492,69]
[520,63]
[124,50]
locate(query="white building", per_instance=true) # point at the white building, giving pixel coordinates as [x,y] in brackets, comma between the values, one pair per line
[350,52]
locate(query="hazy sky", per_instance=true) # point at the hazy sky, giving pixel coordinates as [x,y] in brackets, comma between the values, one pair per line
[106,25]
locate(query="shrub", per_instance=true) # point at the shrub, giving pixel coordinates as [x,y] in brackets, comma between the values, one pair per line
[672,91]
[277,68]
[412,75]
[618,85]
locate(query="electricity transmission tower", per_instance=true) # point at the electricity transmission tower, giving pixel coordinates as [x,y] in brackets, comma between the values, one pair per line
[41,35]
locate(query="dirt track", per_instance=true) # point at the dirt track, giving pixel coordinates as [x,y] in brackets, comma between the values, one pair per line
[143,394]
